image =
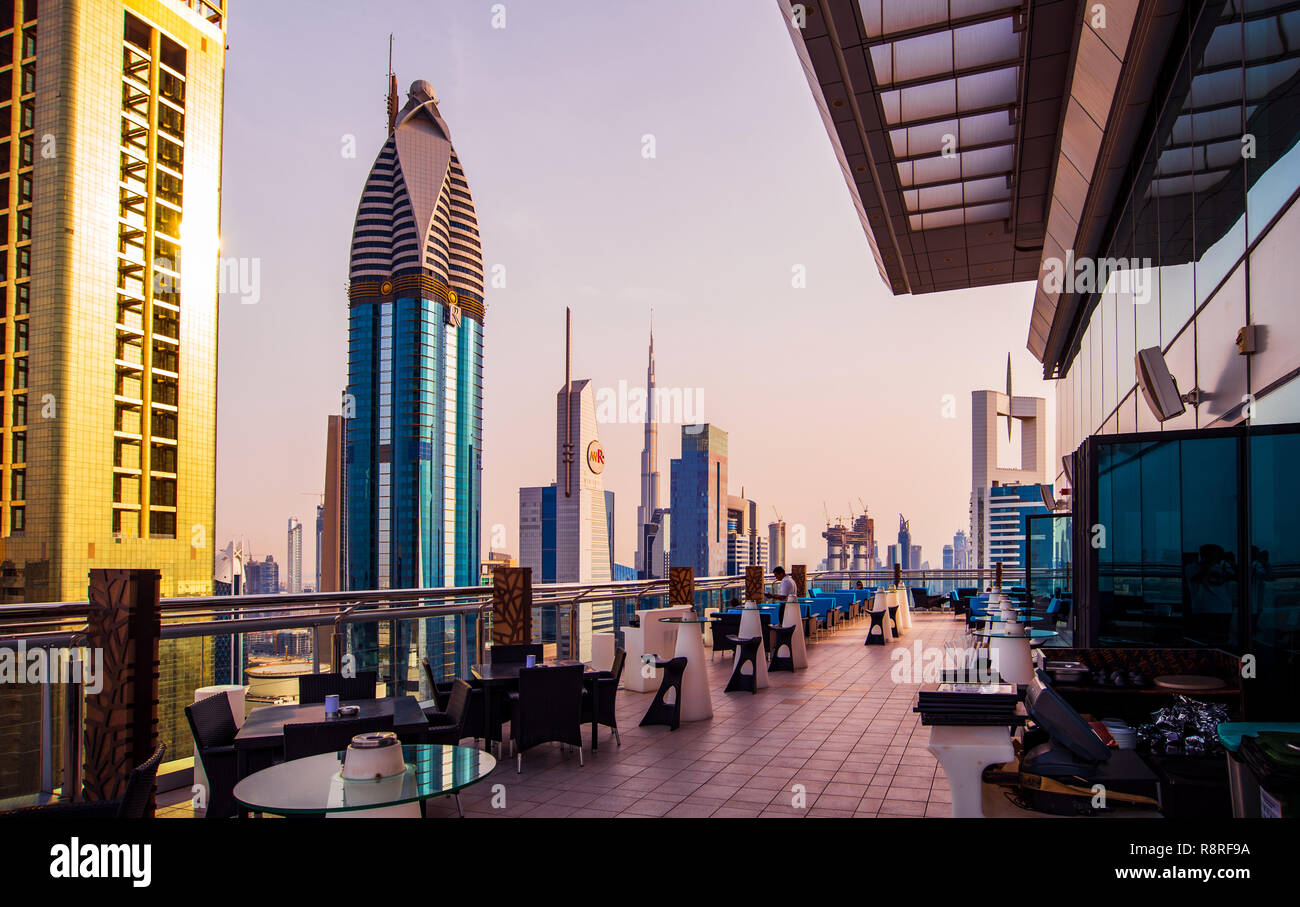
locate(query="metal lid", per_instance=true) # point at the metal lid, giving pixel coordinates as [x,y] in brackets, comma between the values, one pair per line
[374,740]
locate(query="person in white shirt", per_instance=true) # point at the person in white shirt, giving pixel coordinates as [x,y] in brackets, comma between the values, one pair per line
[788,591]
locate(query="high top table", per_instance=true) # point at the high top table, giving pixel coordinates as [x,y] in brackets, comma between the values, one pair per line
[1010,649]
[697,704]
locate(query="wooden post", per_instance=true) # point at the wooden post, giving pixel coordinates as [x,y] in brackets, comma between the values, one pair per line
[754,584]
[512,606]
[799,572]
[121,726]
[681,586]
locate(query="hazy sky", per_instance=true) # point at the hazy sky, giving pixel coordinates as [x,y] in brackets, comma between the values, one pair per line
[833,392]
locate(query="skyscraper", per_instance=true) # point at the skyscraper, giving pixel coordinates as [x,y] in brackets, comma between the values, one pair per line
[647,527]
[698,491]
[415,362]
[109,440]
[905,544]
[566,529]
[112,116]
[987,473]
[294,560]
[332,556]
[776,544]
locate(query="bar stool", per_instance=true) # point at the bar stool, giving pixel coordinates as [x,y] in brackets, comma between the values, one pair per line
[893,620]
[661,711]
[746,653]
[782,637]
[877,623]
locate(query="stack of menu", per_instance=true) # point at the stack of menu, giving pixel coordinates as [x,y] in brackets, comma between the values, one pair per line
[970,704]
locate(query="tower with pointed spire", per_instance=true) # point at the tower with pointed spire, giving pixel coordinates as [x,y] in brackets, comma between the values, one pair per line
[647,521]
[415,363]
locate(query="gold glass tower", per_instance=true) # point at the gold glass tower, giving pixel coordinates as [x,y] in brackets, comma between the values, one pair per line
[110,183]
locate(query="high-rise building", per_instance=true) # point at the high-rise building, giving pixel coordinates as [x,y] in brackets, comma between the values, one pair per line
[331,553]
[776,544]
[114,120]
[112,116]
[566,528]
[415,362]
[905,543]
[1008,508]
[645,511]
[698,491]
[294,559]
[987,407]
[261,577]
[746,547]
[961,551]
[320,541]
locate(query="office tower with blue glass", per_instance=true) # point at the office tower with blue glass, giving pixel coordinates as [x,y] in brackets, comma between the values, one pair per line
[413,407]
[698,492]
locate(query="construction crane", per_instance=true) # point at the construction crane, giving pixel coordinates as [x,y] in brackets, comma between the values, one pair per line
[778,514]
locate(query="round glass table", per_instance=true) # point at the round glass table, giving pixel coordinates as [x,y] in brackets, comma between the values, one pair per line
[314,786]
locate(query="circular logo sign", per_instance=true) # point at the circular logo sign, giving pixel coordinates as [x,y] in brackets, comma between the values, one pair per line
[451,297]
[385,288]
[596,457]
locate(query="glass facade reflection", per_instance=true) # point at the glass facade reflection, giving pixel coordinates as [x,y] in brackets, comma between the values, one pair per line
[1199,547]
[1209,207]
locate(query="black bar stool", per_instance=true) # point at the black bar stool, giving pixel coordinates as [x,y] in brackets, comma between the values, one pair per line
[782,637]
[661,711]
[746,653]
[893,620]
[877,623]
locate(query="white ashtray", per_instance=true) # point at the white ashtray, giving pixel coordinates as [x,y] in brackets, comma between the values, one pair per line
[373,756]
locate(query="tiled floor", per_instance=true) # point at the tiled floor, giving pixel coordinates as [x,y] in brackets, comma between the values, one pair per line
[839,739]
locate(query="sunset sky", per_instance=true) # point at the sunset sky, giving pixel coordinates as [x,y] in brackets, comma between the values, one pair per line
[832,392]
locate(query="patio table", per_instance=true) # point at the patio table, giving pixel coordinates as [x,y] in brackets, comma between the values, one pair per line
[696,702]
[505,676]
[262,736]
[314,785]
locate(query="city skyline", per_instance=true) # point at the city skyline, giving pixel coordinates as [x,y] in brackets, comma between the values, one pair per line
[547,216]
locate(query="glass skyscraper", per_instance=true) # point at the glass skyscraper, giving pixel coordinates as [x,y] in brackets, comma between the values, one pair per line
[415,365]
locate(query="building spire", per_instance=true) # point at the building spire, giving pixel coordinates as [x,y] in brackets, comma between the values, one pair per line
[392,90]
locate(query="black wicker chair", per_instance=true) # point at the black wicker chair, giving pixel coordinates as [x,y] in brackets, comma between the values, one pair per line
[547,708]
[213,726]
[134,803]
[448,726]
[661,711]
[514,654]
[315,687]
[440,690]
[605,689]
[313,738]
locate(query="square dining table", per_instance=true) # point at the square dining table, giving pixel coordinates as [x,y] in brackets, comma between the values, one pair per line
[500,676]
